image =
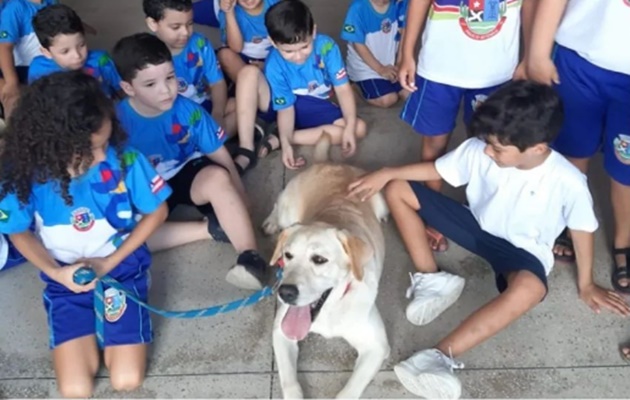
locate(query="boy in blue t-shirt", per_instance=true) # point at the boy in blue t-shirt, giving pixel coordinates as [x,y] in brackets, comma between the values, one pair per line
[196,67]
[302,73]
[372,30]
[18,46]
[62,36]
[185,145]
[244,36]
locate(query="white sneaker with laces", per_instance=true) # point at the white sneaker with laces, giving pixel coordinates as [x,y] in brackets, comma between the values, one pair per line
[429,374]
[432,294]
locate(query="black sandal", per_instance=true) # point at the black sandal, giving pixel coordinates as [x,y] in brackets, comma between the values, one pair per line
[266,143]
[251,156]
[565,240]
[621,271]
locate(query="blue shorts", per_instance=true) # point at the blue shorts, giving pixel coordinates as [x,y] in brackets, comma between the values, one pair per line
[207,105]
[22,73]
[375,88]
[432,109]
[455,221]
[14,257]
[596,113]
[310,112]
[205,14]
[71,315]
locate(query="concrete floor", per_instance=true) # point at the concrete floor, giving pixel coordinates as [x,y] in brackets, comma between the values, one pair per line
[552,352]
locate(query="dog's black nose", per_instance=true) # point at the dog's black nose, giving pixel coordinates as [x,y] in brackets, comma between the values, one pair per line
[288,293]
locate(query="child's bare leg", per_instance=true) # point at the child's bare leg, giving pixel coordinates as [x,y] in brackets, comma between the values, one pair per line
[384,101]
[173,234]
[231,63]
[310,136]
[252,94]
[76,363]
[214,185]
[524,292]
[229,118]
[127,365]
[404,206]
[433,147]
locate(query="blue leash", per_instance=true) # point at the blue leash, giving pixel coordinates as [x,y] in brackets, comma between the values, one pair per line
[85,275]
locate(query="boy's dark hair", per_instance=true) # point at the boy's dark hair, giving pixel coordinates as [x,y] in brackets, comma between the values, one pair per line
[289,22]
[155,8]
[521,114]
[50,132]
[56,19]
[136,52]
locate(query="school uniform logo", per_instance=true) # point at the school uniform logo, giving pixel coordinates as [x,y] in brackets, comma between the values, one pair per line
[349,28]
[4,215]
[478,19]
[312,86]
[82,219]
[621,144]
[280,101]
[341,74]
[4,35]
[182,85]
[257,39]
[386,25]
[115,304]
[220,133]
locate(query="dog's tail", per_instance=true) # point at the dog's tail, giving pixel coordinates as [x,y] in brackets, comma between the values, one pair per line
[322,147]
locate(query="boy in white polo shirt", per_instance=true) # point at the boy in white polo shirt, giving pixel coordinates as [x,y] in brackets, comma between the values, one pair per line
[592,76]
[469,49]
[521,195]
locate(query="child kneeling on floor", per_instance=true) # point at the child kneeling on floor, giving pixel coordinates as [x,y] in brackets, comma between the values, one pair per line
[521,195]
[66,170]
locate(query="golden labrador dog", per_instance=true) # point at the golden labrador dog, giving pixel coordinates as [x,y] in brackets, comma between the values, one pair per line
[332,251]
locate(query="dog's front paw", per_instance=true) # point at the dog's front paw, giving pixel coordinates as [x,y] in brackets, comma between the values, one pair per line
[270,226]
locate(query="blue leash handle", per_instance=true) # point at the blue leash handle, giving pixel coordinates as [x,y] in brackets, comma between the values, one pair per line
[85,275]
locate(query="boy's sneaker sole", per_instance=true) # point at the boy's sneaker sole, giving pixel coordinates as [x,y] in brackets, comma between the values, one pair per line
[436,306]
[241,278]
[429,385]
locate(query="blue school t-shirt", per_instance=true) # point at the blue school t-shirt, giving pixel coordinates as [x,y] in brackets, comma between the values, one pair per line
[16,27]
[322,70]
[107,203]
[97,64]
[377,31]
[196,68]
[171,139]
[256,43]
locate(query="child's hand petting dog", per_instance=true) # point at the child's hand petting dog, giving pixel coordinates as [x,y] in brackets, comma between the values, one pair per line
[370,184]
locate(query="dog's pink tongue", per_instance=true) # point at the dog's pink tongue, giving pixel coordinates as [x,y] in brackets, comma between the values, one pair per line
[297,322]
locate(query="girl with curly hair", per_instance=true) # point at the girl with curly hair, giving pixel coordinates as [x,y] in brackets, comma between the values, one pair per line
[90,200]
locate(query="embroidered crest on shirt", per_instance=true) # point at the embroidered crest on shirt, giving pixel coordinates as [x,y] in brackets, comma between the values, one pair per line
[386,25]
[478,19]
[82,219]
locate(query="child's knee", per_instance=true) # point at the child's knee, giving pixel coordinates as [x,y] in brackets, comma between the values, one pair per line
[526,288]
[75,388]
[249,74]
[384,101]
[395,189]
[126,381]
[361,131]
[214,176]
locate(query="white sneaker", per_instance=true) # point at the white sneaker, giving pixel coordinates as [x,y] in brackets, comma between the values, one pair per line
[429,374]
[432,294]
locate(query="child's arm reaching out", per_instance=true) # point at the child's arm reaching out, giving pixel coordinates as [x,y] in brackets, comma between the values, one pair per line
[345,96]
[593,295]
[373,183]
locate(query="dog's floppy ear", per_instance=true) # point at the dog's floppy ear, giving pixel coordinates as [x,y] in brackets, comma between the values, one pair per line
[357,250]
[282,239]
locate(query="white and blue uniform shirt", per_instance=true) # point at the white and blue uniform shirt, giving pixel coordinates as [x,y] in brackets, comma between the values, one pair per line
[316,77]
[16,27]
[107,202]
[256,43]
[171,139]
[98,64]
[196,68]
[403,6]
[378,32]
